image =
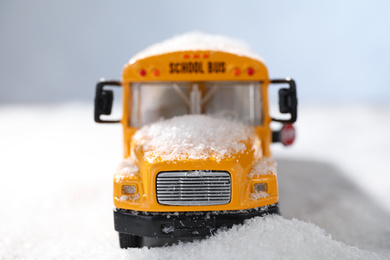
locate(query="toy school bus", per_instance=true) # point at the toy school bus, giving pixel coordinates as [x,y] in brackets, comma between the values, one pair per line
[196,135]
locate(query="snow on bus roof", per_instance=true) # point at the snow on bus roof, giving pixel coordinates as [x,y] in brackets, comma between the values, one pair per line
[198,41]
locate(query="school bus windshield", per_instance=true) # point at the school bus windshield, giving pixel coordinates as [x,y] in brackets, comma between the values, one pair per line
[238,101]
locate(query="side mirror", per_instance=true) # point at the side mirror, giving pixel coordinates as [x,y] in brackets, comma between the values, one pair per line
[287,100]
[104,99]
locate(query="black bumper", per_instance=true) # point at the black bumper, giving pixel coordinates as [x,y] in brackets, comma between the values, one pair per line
[183,224]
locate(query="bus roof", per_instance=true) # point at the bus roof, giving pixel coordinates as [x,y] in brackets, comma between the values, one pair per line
[197,41]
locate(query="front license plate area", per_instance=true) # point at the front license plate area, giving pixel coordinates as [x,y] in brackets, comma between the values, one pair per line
[195,223]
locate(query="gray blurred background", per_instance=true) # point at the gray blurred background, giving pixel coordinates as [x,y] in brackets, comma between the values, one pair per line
[55,51]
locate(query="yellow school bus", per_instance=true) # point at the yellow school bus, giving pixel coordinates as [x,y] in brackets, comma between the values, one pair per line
[196,139]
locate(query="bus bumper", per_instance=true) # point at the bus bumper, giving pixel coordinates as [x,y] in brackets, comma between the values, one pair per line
[183,224]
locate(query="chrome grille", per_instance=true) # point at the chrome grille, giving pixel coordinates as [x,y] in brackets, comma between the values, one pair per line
[193,188]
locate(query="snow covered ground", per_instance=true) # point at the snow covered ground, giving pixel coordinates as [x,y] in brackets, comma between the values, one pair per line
[56,190]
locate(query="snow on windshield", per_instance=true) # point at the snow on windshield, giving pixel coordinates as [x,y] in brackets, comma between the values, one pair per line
[193,41]
[193,137]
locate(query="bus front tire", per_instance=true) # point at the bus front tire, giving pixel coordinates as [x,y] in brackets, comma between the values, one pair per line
[129,241]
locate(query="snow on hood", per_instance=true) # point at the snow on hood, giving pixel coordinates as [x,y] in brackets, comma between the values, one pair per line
[193,137]
[266,166]
[194,41]
[126,168]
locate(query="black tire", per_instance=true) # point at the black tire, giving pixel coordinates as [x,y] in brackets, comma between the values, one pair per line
[129,241]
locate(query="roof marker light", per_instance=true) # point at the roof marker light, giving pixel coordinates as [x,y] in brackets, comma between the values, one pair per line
[237,72]
[186,56]
[142,72]
[156,72]
[195,56]
[250,71]
[206,55]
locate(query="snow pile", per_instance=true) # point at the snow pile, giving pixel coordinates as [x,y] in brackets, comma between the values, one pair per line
[197,41]
[266,166]
[320,193]
[271,237]
[42,218]
[126,168]
[192,137]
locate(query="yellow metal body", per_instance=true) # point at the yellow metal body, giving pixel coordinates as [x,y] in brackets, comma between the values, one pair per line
[196,66]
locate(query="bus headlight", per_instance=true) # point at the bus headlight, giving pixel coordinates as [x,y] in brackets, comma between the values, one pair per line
[260,187]
[129,189]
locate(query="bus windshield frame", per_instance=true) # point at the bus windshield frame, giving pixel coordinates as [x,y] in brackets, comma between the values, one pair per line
[233,100]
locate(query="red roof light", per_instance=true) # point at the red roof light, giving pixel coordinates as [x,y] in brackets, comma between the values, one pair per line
[250,71]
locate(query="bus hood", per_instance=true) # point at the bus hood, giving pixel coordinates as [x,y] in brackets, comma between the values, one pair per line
[193,137]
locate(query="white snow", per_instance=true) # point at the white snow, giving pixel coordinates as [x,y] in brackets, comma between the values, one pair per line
[126,168]
[56,190]
[128,197]
[272,237]
[168,230]
[192,137]
[266,166]
[259,195]
[198,41]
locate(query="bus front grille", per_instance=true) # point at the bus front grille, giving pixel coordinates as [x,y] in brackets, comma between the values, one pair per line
[193,188]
